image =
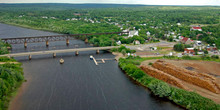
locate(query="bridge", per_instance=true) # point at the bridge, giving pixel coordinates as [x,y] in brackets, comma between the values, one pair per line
[53,52]
[47,39]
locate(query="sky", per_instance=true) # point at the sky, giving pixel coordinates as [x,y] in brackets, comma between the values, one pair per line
[145,2]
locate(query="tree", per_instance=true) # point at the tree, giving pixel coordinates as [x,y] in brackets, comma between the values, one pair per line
[123,52]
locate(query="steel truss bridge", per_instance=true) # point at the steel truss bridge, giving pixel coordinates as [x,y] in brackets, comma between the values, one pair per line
[52,38]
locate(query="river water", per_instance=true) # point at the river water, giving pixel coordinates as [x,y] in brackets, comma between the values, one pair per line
[78,84]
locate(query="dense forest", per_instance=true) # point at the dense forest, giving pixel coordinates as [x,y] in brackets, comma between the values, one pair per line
[162,22]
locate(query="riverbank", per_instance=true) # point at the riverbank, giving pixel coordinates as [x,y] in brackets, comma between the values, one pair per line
[186,99]
[11,79]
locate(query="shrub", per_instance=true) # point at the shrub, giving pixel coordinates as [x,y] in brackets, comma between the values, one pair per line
[215,57]
[150,63]
[138,74]
[192,100]
[159,88]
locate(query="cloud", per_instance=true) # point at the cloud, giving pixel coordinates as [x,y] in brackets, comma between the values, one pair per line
[147,2]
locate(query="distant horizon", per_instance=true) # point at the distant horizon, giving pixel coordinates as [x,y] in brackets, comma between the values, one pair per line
[123,2]
[109,4]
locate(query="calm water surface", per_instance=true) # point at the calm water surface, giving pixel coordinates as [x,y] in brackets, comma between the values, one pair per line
[78,84]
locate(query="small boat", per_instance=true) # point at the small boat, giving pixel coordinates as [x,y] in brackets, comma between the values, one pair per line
[91,57]
[61,61]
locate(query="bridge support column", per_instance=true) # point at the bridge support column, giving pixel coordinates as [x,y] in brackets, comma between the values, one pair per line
[47,43]
[54,55]
[25,44]
[86,40]
[67,42]
[97,51]
[29,57]
[77,53]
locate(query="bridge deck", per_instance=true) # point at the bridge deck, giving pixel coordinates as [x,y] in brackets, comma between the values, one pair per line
[58,51]
[52,38]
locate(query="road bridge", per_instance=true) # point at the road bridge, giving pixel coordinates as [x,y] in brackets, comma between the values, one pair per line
[54,52]
[47,39]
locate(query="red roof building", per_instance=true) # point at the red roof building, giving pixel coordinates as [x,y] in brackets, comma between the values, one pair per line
[196,28]
[189,51]
[185,40]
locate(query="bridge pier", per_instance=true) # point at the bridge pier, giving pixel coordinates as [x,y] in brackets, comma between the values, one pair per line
[54,55]
[77,53]
[97,51]
[86,40]
[47,43]
[67,42]
[29,57]
[25,44]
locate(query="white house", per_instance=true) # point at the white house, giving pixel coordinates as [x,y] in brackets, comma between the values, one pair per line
[45,17]
[198,43]
[73,19]
[118,42]
[178,24]
[133,33]
[53,17]
[148,33]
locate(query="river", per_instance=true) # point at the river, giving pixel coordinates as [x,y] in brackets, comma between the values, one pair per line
[78,84]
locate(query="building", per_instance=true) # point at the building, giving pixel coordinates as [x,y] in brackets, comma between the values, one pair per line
[133,33]
[185,40]
[196,29]
[211,48]
[189,51]
[198,43]
[148,33]
[136,42]
[118,42]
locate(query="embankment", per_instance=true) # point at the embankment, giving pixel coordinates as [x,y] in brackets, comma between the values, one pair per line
[186,99]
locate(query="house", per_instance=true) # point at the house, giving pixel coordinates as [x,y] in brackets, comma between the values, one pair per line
[178,24]
[136,42]
[73,19]
[174,36]
[200,52]
[198,43]
[126,30]
[189,51]
[45,17]
[133,33]
[148,33]
[196,29]
[118,42]
[185,40]
[53,17]
[211,48]
[77,14]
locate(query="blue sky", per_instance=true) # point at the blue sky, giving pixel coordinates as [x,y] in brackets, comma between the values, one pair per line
[147,2]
